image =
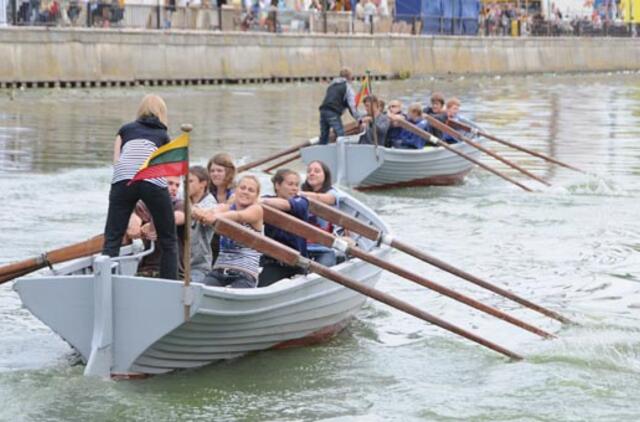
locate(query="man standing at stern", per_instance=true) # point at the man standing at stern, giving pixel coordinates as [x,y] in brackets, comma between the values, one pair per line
[339,97]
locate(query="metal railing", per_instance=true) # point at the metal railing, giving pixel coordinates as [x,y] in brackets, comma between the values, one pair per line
[109,14]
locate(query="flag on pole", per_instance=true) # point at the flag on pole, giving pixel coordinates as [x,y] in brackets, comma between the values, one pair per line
[171,159]
[364,90]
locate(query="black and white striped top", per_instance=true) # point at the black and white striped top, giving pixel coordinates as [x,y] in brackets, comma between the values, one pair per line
[238,257]
[139,140]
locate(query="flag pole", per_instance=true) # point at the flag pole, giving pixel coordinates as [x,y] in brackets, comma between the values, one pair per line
[186,258]
[373,112]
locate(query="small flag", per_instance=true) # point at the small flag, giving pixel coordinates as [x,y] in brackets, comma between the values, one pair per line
[364,90]
[171,159]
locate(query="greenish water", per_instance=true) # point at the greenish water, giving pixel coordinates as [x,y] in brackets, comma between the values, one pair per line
[573,247]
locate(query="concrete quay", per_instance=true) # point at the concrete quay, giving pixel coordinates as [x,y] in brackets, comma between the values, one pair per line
[79,57]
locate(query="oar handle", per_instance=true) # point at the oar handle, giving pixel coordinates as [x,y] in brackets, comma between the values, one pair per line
[343,220]
[287,222]
[424,134]
[289,256]
[261,244]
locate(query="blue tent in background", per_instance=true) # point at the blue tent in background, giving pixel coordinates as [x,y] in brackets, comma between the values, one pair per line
[457,17]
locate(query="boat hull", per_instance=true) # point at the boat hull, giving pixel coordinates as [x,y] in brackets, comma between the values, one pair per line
[122,324]
[367,167]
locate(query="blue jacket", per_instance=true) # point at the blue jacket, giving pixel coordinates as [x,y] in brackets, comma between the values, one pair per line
[410,140]
[299,209]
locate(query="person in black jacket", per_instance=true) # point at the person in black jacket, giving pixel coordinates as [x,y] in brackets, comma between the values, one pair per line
[339,96]
[135,142]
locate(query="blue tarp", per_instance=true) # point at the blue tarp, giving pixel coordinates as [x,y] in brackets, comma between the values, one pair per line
[459,17]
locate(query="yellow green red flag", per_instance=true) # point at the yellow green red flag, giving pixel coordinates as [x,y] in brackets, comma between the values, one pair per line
[364,90]
[171,159]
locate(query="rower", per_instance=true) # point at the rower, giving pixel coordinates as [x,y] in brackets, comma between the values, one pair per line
[318,186]
[237,265]
[382,122]
[409,140]
[286,184]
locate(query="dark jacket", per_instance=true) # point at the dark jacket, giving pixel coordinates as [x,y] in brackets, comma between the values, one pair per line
[340,96]
[382,127]
[146,127]
[299,209]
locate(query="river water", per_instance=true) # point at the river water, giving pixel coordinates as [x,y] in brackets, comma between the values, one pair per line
[573,247]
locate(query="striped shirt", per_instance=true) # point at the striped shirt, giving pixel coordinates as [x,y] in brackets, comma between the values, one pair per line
[139,140]
[238,257]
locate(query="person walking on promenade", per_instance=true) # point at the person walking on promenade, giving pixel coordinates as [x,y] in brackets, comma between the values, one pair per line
[134,143]
[339,96]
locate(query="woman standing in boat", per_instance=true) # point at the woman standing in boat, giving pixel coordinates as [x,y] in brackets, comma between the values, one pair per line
[222,172]
[134,143]
[318,186]
[286,184]
[237,266]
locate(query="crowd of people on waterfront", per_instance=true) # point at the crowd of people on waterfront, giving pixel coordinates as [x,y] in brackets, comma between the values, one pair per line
[102,13]
[505,19]
[493,19]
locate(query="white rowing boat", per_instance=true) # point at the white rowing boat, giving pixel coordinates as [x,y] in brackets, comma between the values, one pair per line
[370,167]
[123,324]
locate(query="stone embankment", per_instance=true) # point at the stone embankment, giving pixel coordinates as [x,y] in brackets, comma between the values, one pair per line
[41,57]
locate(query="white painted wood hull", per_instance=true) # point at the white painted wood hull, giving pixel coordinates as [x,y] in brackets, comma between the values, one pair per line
[366,167]
[123,324]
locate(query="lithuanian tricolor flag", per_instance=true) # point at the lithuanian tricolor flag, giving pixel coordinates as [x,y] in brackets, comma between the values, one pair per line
[171,159]
[364,90]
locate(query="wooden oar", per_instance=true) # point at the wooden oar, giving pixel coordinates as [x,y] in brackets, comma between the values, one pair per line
[291,257]
[343,220]
[350,128]
[426,135]
[460,125]
[315,235]
[282,163]
[77,250]
[11,276]
[277,155]
[435,123]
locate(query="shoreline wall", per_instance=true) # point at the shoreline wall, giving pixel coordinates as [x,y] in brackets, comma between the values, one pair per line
[94,57]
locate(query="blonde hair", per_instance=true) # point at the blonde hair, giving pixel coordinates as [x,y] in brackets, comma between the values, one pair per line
[224,160]
[153,105]
[251,177]
[345,72]
[415,108]
[453,101]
